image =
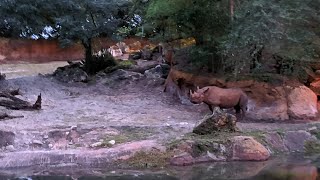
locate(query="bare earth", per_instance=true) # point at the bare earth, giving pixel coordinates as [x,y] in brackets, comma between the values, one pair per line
[99,114]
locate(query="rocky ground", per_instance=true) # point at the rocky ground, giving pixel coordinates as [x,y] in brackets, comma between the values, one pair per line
[116,115]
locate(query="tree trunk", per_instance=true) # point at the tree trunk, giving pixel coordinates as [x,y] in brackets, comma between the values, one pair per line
[87,44]
[231,9]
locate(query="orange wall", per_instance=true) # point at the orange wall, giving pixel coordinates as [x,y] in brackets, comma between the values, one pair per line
[18,50]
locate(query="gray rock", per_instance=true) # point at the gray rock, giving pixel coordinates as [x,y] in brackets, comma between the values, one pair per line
[275,141]
[2,76]
[97,144]
[37,142]
[120,77]
[210,157]
[146,54]
[71,73]
[10,148]
[182,159]
[219,120]
[295,140]
[160,71]
[6,138]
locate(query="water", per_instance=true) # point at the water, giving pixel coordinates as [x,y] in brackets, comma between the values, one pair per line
[295,167]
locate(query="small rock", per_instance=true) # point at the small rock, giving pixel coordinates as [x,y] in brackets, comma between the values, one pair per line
[97,144]
[222,149]
[209,157]
[37,142]
[67,133]
[6,138]
[74,128]
[10,148]
[112,142]
[50,145]
[312,128]
[45,137]
[160,71]
[183,159]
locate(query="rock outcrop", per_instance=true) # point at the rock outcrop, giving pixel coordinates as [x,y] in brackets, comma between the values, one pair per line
[281,99]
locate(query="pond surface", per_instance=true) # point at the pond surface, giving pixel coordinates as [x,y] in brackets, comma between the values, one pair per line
[294,167]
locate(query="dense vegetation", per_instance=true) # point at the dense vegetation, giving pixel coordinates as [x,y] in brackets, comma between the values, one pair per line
[239,37]
[244,37]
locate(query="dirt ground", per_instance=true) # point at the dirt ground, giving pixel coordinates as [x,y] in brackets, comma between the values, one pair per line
[76,117]
[92,108]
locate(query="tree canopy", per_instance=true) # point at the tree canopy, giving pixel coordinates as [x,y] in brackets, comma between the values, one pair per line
[204,20]
[287,30]
[67,20]
[236,33]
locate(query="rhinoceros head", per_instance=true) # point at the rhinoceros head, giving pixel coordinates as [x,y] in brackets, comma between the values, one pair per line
[198,96]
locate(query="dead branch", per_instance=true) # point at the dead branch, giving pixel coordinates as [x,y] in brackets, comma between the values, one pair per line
[8,100]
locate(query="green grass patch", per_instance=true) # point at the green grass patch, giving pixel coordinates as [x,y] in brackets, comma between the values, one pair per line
[152,159]
[312,147]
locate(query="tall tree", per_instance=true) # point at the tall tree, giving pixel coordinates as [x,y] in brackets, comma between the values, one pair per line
[70,20]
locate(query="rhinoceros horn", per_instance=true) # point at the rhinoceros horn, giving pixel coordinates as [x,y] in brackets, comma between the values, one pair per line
[198,88]
[191,92]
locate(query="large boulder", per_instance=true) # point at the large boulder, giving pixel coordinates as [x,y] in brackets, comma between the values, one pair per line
[302,103]
[245,148]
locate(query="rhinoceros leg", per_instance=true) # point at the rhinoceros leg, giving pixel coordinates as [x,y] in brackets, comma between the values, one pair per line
[243,104]
[210,107]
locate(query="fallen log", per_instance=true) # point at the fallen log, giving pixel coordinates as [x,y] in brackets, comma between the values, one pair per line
[8,100]
[4,116]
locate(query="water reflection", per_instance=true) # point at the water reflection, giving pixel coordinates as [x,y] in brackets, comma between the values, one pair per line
[289,168]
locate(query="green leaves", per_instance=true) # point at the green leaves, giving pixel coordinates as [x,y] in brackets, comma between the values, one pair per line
[174,19]
[77,19]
